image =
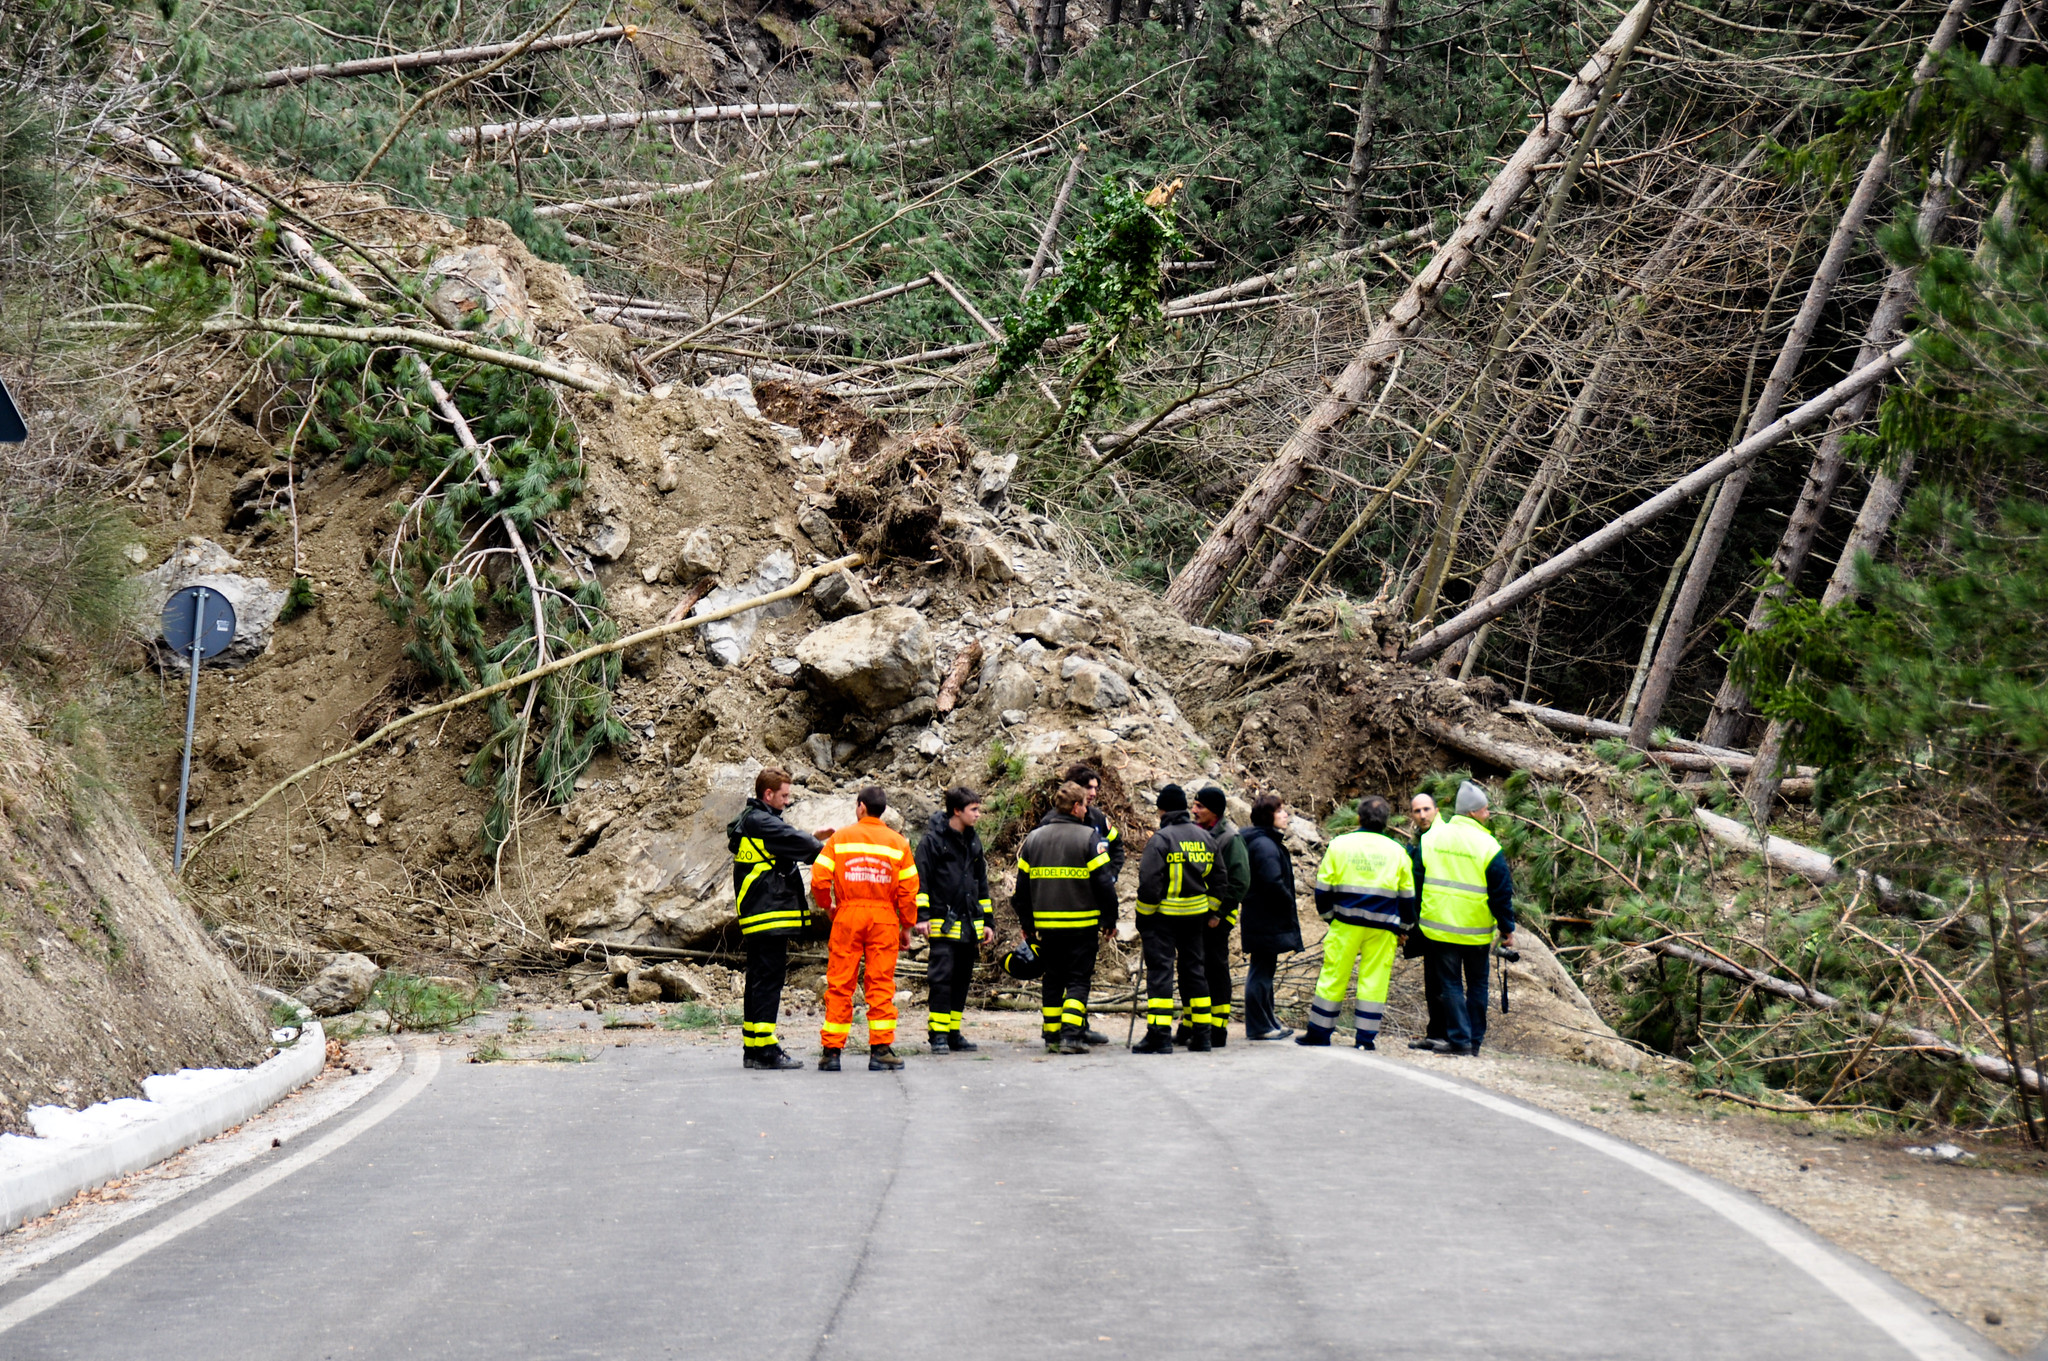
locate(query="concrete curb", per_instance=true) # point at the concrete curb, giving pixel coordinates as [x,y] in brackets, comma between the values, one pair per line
[38,1190]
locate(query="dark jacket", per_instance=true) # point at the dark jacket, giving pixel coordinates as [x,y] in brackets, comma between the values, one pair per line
[768,856]
[1270,922]
[1100,822]
[1233,870]
[952,879]
[1064,881]
[1178,875]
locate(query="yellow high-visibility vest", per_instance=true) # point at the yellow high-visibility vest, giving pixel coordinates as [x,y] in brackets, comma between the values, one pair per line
[1455,854]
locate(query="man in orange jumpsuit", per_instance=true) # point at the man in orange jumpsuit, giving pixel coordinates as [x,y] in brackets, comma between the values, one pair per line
[865,880]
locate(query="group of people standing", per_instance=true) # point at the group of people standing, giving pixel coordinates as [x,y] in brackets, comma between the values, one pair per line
[1446,895]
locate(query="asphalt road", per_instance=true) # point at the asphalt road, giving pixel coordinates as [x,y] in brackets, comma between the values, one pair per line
[1261,1202]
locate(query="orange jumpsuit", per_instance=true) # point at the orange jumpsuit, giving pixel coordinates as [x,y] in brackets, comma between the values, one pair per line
[866,880]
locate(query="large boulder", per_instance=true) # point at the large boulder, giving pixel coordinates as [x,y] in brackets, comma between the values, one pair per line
[1054,628]
[873,660]
[1092,685]
[202,562]
[483,279]
[726,641]
[671,887]
[343,986]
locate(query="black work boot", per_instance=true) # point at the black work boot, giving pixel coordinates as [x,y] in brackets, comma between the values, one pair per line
[1184,1036]
[1158,1040]
[770,1058]
[1071,1041]
[1199,1044]
[882,1059]
[1219,1035]
[1424,1043]
[1090,1035]
[1365,1042]
[828,1062]
[1313,1038]
[939,1045]
[960,1044]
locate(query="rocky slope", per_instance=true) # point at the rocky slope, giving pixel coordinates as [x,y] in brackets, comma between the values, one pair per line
[973,647]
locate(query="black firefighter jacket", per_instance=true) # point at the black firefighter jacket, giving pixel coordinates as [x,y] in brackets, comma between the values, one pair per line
[952,880]
[768,856]
[1064,879]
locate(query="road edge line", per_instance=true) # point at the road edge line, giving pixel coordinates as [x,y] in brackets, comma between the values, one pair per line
[43,1187]
[1848,1279]
[96,1269]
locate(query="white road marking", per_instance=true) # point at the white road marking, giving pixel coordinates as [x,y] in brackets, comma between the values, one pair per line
[91,1272]
[1903,1321]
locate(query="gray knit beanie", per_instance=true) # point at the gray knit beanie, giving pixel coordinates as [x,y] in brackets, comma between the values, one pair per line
[1471,797]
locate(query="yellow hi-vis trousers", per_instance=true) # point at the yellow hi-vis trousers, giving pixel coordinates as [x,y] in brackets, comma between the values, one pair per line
[1372,951]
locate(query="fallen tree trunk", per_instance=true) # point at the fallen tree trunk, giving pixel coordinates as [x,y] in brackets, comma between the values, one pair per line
[405,335]
[414,61]
[1578,725]
[1986,1065]
[1199,583]
[624,121]
[563,663]
[1051,231]
[1679,492]
[1259,283]
[668,191]
[1806,862]
[252,210]
[1501,752]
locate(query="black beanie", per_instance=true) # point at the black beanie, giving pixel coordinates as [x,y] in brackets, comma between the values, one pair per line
[1211,798]
[1172,799]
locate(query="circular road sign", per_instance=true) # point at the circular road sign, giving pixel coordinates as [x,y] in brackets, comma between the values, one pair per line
[183,607]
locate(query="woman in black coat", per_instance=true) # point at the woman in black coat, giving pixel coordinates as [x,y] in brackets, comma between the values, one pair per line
[1269,926]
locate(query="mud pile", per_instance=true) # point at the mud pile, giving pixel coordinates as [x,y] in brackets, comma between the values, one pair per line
[969,650]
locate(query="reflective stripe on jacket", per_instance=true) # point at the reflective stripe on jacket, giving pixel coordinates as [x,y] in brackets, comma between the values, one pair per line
[1366,879]
[1457,855]
[768,856]
[1178,875]
[866,865]
[952,880]
[1064,880]
[1103,832]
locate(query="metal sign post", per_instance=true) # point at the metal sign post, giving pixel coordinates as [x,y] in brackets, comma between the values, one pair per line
[199,623]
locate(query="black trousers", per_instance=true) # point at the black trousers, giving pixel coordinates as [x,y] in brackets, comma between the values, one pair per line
[950,968]
[1432,994]
[1069,971]
[767,967]
[1461,984]
[1216,970]
[1258,993]
[1174,944]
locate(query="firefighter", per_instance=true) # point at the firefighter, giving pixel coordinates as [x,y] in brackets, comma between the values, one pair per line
[865,880]
[952,904]
[1177,875]
[1234,880]
[1091,780]
[1467,898]
[1365,889]
[768,856]
[1066,903]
